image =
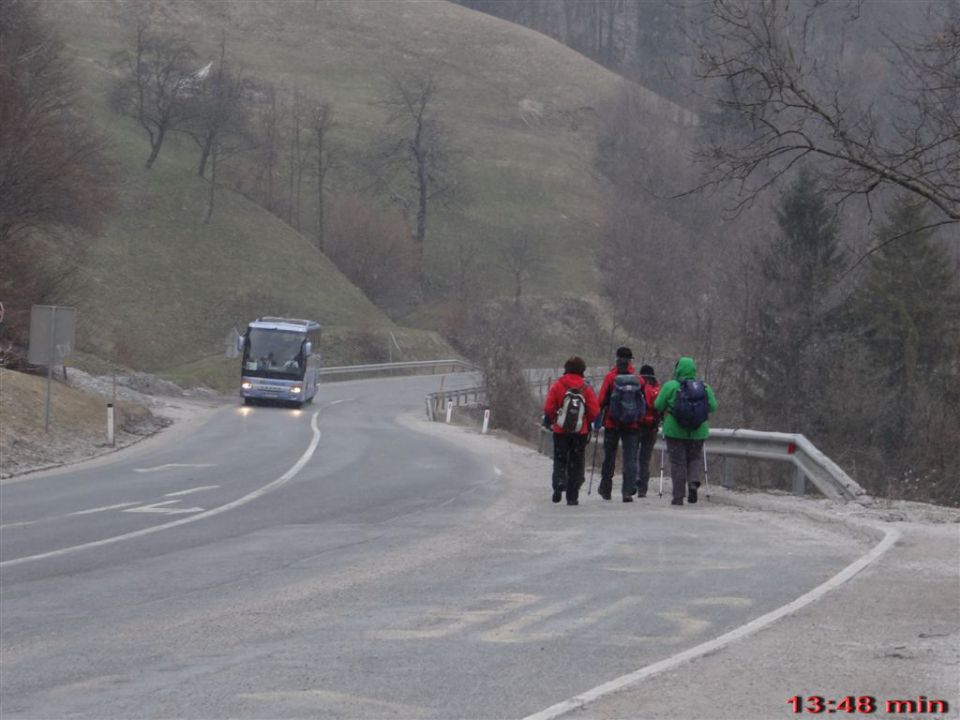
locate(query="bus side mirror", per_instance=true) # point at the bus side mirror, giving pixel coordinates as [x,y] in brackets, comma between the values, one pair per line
[307,348]
[240,341]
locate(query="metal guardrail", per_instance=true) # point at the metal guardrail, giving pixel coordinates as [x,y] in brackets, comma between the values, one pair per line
[810,463]
[432,365]
[436,402]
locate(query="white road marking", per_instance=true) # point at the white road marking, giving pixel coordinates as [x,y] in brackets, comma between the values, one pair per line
[73,514]
[438,622]
[173,465]
[159,508]
[578,701]
[24,523]
[510,632]
[103,509]
[192,490]
[249,497]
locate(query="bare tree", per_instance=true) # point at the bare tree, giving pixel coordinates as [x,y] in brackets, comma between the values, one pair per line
[54,172]
[521,252]
[267,131]
[789,105]
[296,156]
[156,79]
[416,166]
[374,250]
[217,107]
[321,123]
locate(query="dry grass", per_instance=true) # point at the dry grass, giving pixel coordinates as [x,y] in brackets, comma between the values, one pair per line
[77,423]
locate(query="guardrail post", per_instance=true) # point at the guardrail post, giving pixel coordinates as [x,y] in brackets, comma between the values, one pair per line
[729,481]
[799,482]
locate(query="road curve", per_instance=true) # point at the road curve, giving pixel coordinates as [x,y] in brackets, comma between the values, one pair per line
[236,572]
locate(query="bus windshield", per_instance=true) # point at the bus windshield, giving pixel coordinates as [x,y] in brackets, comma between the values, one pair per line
[275,353]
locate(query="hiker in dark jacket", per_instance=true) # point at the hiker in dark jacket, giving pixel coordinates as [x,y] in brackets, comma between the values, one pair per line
[684,444]
[615,430]
[569,446]
[648,428]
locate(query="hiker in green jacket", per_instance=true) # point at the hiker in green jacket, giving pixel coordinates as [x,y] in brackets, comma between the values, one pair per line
[685,402]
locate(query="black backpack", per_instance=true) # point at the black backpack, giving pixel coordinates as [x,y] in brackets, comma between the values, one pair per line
[627,401]
[690,408]
[573,411]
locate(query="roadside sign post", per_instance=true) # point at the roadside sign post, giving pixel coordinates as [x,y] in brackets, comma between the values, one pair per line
[51,342]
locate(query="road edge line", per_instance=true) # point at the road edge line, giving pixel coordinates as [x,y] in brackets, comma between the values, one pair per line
[891,536]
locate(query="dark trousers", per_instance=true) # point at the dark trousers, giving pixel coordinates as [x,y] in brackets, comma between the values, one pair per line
[569,456]
[686,464]
[648,438]
[611,438]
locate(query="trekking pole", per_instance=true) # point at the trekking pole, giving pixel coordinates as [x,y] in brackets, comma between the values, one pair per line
[593,463]
[706,477]
[661,473]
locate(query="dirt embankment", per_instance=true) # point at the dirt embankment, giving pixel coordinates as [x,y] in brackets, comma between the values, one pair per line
[78,416]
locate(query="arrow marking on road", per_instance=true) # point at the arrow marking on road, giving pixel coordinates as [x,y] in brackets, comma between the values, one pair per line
[249,497]
[192,490]
[159,508]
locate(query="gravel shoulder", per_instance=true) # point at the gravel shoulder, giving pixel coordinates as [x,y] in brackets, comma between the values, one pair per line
[891,632]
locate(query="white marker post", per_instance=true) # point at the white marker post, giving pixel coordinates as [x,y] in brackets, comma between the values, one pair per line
[110,438]
[486,422]
[449,410]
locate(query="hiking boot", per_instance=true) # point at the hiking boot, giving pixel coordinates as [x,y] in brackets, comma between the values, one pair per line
[573,502]
[557,494]
[677,501]
[605,496]
[692,494]
[641,494]
[628,498]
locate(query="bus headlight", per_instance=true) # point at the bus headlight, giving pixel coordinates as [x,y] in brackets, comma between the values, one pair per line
[295,389]
[246,384]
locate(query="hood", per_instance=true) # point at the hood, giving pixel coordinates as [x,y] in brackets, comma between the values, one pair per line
[572,380]
[686,369]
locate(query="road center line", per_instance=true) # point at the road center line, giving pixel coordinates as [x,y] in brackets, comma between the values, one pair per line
[249,497]
[578,701]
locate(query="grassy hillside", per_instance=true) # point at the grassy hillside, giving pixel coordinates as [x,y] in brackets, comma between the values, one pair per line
[164,288]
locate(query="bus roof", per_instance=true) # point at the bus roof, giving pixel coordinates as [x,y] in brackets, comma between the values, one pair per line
[286,324]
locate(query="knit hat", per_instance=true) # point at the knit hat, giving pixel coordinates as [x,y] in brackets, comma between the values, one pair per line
[624,352]
[575,365]
[646,370]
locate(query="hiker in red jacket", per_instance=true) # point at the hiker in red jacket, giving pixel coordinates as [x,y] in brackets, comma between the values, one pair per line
[570,407]
[648,428]
[621,403]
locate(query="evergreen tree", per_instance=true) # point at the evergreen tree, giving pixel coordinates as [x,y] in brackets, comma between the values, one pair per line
[906,299]
[785,347]
[904,312]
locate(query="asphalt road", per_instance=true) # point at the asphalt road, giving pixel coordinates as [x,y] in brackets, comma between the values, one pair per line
[334,562]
